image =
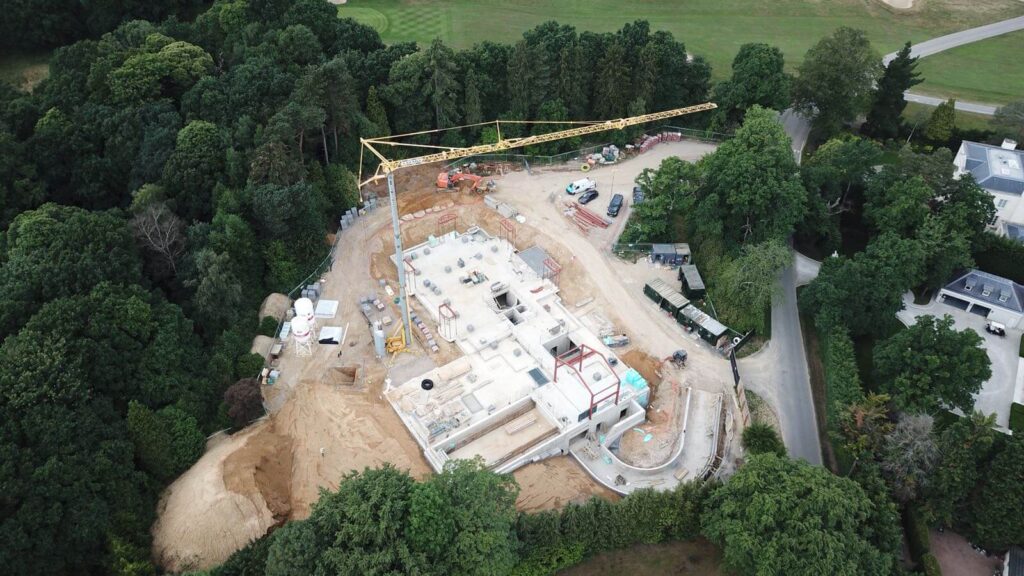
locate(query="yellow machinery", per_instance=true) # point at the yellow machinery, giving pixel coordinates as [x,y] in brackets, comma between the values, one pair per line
[403,337]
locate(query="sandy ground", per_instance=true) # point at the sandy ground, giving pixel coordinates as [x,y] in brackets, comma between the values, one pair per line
[957,558]
[552,483]
[326,416]
[273,471]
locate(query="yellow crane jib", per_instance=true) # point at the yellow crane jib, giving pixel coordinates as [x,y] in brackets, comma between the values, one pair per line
[388,165]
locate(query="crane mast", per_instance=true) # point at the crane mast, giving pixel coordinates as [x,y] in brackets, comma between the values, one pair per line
[387,167]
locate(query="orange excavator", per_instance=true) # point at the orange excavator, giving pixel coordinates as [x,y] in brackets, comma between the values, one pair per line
[449,180]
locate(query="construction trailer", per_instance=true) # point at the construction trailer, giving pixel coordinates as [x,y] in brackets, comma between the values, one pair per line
[532,378]
[665,296]
[670,254]
[709,329]
[693,284]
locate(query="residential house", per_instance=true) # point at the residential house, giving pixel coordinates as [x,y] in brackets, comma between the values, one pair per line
[1000,171]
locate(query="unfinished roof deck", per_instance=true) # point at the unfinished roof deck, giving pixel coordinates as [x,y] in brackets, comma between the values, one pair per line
[510,325]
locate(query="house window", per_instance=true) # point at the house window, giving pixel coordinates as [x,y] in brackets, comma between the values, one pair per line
[1000,204]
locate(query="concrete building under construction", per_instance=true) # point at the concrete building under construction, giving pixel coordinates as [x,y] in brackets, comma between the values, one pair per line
[531,379]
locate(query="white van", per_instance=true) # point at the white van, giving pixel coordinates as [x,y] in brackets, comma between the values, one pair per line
[581,185]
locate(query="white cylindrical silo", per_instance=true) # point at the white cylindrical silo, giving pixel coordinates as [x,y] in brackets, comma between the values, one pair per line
[304,309]
[378,340]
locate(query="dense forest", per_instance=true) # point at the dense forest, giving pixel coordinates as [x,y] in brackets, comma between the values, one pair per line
[169,174]
[182,161]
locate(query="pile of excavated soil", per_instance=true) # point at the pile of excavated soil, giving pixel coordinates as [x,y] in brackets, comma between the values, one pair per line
[273,472]
[554,482]
[275,305]
[261,345]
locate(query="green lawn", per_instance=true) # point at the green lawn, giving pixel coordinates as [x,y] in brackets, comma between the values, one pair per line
[24,70]
[714,29]
[987,71]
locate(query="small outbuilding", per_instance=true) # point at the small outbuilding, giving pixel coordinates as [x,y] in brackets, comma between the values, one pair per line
[670,254]
[665,296]
[693,284]
[709,329]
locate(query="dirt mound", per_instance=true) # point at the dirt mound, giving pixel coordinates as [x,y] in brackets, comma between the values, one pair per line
[263,469]
[275,305]
[200,521]
[272,472]
[261,345]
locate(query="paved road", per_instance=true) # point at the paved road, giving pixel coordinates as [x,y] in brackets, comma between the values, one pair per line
[936,45]
[793,399]
[973,107]
[798,128]
[942,43]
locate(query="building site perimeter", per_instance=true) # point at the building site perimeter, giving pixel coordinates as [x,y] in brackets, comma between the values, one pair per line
[534,348]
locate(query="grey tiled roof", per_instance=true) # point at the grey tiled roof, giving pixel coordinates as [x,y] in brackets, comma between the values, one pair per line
[990,289]
[995,168]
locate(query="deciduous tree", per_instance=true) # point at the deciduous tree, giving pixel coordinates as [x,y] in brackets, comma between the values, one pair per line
[756,182]
[931,365]
[836,79]
[758,77]
[776,516]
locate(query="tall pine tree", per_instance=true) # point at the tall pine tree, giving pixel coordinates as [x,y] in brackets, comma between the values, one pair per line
[885,118]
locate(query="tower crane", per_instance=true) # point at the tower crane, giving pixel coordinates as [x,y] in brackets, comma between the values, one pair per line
[387,167]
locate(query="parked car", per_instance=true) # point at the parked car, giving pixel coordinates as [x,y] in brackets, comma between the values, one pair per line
[638,195]
[581,185]
[587,196]
[615,205]
[995,328]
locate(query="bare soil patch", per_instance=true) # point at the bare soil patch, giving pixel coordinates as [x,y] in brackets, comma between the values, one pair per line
[552,483]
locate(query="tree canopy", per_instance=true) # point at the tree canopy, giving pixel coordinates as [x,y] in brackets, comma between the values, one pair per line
[885,119]
[837,78]
[777,516]
[931,365]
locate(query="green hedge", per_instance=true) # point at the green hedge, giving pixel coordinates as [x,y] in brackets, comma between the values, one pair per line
[551,541]
[1017,418]
[268,326]
[918,538]
[930,565]
[842,382]
[1001,256]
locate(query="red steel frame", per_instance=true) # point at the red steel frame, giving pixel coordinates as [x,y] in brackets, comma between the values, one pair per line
[449,319]
[444,221]
[577,356]
[508,231]
[552,270]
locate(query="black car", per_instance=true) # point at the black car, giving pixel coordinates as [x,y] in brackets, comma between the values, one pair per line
[587,196]
[638,195]
[615,205]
